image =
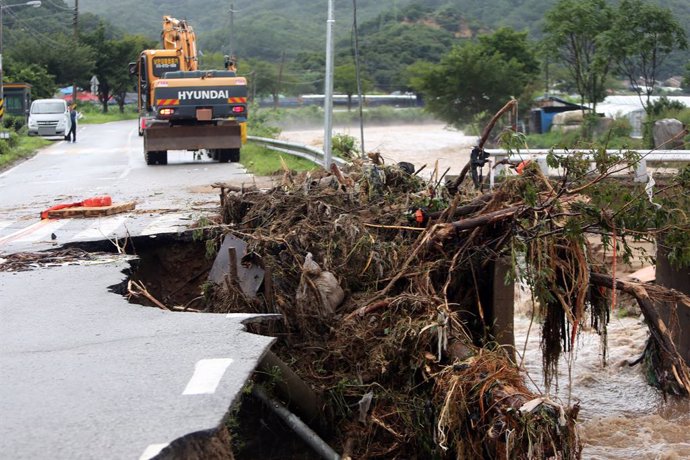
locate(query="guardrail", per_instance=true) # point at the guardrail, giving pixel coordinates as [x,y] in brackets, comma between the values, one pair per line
[539,155]
[298,150]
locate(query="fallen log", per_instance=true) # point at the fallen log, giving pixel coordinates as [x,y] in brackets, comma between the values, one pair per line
[649,304]
[442,232]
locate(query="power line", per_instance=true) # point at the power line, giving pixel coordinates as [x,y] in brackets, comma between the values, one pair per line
[58,6]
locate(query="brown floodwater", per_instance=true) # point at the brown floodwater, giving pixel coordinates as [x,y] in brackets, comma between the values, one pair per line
[621,416]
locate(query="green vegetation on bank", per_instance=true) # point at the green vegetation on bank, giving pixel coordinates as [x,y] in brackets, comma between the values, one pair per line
[23,147]
[614,136]
[263,162]
[92,114]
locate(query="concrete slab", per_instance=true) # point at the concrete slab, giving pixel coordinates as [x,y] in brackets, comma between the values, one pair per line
[85,374]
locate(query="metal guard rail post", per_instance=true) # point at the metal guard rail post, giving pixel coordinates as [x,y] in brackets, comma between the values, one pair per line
[539,155]
[298,150]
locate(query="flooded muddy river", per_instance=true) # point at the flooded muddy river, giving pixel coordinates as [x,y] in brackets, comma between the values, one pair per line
[621,416]
[417,144]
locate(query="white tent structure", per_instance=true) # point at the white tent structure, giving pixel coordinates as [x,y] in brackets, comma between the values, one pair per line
[631,108]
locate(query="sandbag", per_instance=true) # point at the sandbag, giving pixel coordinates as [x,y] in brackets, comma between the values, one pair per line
[329,295]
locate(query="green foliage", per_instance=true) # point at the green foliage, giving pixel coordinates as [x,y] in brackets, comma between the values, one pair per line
[26,146]
[112,57]
[476,78]
[13,140]
[641,38]
[513,45]
[68,60]
[616,137]
[664,106]
[13,122]
[576,29]
[263,162]
[93,114]
[258,123]
[388,49]
[345,81]
[43,83]
[660,109]
[344,146]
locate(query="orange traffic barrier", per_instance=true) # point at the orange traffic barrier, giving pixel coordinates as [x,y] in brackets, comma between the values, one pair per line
[93,202]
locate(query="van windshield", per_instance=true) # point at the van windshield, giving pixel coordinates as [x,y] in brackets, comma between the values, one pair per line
[48,107]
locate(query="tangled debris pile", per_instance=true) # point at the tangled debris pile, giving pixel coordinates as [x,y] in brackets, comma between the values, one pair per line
[381,279]
[411,332]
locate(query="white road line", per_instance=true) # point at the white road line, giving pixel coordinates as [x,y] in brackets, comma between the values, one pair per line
[25,231]
[128,169]
[164,224]
[152,450]
[43,232]
[207,376]
[103,229]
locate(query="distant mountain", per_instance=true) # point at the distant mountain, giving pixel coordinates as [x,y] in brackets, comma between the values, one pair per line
[262,28]
[267,28]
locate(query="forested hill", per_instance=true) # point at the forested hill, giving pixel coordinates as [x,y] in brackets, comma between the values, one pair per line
[262,28]
[266,28]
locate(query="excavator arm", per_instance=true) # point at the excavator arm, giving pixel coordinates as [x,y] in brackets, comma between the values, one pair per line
[179,36]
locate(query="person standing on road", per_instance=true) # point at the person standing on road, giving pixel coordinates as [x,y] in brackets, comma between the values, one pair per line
[72,135]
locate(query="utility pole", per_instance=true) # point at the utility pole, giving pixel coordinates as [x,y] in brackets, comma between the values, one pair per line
[360,96]
[232,31]
[328,90]
[75,24]
[2,76]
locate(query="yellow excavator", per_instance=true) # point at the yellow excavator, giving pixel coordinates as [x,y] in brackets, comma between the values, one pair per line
[184,108]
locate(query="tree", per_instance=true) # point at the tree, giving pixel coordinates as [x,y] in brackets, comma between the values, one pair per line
[65,58]
[474,78]
[112,58]
[686,78]
[641,38]
[345,81]
[42,83]
[513,45]
[122,52]
[574,32]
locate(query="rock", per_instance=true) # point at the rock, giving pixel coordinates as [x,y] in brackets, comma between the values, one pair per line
[668,133]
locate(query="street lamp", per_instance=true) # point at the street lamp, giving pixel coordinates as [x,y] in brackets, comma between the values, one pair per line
[33,3]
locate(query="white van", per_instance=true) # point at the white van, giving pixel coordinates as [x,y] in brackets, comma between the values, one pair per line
[49,117]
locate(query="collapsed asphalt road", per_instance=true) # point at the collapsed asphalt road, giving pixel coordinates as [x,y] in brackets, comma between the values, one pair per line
[85,374]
